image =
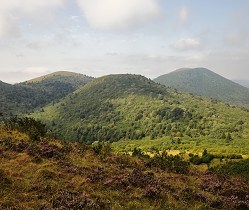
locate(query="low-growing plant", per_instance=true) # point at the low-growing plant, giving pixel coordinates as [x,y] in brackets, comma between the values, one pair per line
[239,169]
[205,158]
[103,149]
[138,152]
[169,162]
[75,200]
[5,180]
[35,129]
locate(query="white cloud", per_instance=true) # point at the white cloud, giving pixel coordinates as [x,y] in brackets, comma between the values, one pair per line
[239,38]
[118,14]
[184,14]
[12,11]
[186,44]
[39,70]
[7,25]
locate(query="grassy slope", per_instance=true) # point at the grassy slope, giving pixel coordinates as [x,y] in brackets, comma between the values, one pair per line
[57,175]
[203,82]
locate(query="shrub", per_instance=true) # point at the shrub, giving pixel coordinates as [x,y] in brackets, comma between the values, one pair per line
[35,129]
[75,200]
[205,158]
[4,179]
[152,191]
[137,152]
[169,162]
[103,149]
[46,174]
[240,169]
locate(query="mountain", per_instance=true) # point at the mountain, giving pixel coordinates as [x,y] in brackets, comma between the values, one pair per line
[203,82]
[58,84]
[15,99]
[117,107]
[24,97]
[244,83]
[74,79]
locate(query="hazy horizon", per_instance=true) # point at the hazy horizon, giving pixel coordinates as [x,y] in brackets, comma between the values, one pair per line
[147,37]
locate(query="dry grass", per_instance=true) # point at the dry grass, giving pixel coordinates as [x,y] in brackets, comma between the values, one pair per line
[56,175]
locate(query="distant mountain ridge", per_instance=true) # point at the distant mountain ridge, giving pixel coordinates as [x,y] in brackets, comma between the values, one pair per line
[74,79]
[203,82]
[244,83]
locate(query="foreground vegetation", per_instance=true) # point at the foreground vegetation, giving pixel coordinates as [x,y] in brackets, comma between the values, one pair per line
[51,174]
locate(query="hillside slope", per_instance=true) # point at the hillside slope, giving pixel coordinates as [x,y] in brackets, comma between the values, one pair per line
[24,97]
[58,84]
[52,174]
[74,79]
[244,83]
[15,99]
[119,107]
[203,82]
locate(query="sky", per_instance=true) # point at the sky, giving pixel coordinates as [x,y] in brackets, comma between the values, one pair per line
[100,37]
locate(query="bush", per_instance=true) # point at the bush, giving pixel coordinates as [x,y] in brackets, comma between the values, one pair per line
[170,163]
[4,179]
[75,200]
[35,129]
[240,169]
[205,158]
[103,149]
[137,152]
[196,160]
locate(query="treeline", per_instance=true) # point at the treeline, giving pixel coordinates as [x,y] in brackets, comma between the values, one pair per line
[207,157]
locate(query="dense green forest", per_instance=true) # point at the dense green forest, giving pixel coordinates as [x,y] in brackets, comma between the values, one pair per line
[203,82]
[119,107]
[24,97]
[17,99]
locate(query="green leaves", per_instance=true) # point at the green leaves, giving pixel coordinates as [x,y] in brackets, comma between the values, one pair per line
[35,129]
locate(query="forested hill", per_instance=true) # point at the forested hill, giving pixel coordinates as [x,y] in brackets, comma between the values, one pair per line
[104,108]
[58,84]
[15,99]
[64,77]
[25,97]
[203,82]
[244,83]
[119,107]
